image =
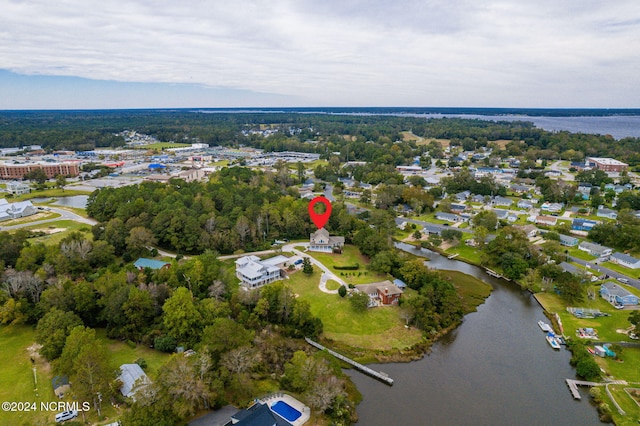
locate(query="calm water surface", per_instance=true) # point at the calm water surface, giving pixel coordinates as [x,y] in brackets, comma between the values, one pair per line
[495,369]
[79,201]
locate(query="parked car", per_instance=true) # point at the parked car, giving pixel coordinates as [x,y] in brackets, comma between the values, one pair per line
[66,415]
[623,280]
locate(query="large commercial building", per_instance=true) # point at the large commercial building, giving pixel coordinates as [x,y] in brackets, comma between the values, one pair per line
[607,164]
[17,171]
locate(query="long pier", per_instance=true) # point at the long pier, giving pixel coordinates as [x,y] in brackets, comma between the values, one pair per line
[573,386]
[383,377]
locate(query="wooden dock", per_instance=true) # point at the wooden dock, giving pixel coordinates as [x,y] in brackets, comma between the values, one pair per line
[383,377]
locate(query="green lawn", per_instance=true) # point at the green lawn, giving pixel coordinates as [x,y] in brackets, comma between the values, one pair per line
[606,326]
[472,290]
[349,256]
[635,273]
[376,329]
[17,380]
[471,254]
[625,401]
[68,226]
[51,192]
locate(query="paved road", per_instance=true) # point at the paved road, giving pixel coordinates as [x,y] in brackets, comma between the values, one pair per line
[595,268]
[64,215]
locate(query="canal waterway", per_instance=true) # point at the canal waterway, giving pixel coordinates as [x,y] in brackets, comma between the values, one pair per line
[495,369]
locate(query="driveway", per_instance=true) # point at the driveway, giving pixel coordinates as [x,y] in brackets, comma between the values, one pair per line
[326,272]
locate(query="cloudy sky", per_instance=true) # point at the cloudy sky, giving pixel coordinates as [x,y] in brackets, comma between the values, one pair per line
[221,53]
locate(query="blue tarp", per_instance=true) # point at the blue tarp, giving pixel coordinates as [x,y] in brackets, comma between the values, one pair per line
[157,166]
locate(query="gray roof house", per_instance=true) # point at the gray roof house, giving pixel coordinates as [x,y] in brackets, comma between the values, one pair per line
[449,217]
[16,210]
[618,295]
[502,201]
[525,204]
[625,260]
[462,196]
[595,249]
[501,214]
[132,378]
[607,213]
[568,241]
[323,242]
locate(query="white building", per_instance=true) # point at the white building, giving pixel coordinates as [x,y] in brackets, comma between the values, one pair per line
[18,188]
[132,378]
[323,242]
[15,210]
[255,273]
[625,260]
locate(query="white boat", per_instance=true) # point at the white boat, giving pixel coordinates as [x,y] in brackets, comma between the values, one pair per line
[553,342]
[544,326]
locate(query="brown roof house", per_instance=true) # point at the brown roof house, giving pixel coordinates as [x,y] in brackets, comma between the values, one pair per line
[323,242]
[381,294]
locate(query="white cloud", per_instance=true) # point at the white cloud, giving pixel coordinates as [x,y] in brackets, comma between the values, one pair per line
[414,52]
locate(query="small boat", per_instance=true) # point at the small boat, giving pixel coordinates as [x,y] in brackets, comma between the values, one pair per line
[544,326]
[591,350]
[553,342]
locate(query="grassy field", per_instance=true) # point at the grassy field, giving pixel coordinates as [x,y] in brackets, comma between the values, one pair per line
[473,291]
[350,256]
[624,369]
[375,329]
[63,228]
[17,378]
[635,273]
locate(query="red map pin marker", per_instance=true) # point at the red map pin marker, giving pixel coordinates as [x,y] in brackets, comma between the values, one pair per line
[320,219]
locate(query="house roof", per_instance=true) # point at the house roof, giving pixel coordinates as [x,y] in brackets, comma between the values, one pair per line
[593,246]
[615,290]
[150,263]
[399,283]
[258,415]
[252,267]
[567,267]
[58,381]
[567,238]
[625,258]
[130,373]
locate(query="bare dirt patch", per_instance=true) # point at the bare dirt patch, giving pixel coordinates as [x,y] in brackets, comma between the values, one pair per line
[50,230]
[34,353]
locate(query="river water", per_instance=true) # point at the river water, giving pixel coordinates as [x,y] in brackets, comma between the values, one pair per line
[79,201]
[495,369]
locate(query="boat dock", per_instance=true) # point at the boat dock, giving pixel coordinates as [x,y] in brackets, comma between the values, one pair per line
[573,387]
[383,377]
[492,273]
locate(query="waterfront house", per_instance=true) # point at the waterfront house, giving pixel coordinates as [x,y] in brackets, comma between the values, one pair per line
[255,273]
[15,210]
[18,188]
[595,249]
[568,241]
[431,229]
[625,260]
[384,293]
[143,263]
[616,294]
[323,242]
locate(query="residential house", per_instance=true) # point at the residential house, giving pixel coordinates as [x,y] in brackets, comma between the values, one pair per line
[15,210]
[552,207]
[400,284]
[18,188]
[501,214]
[60,386]
[547,220]
[530,230]
[606,213]
[477,199]
[502,201]
[132,378]
[583,224]
[323,242]
[458,208]
[255,273]
[381,294]
[258,414]
[625,260]
[595,249]
[432,229]
[585,189]
[568,241]
[143,263]
[525,204]
[449,217]
[462,196]
[572,269]
[614,293]
[519,189]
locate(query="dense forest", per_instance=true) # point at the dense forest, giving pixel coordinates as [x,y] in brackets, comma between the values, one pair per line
[309,132]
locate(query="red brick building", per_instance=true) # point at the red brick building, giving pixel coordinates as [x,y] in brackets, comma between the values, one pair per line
[17,171]
[607,164]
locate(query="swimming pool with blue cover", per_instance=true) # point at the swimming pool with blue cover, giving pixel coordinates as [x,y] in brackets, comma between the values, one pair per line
[286,411]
